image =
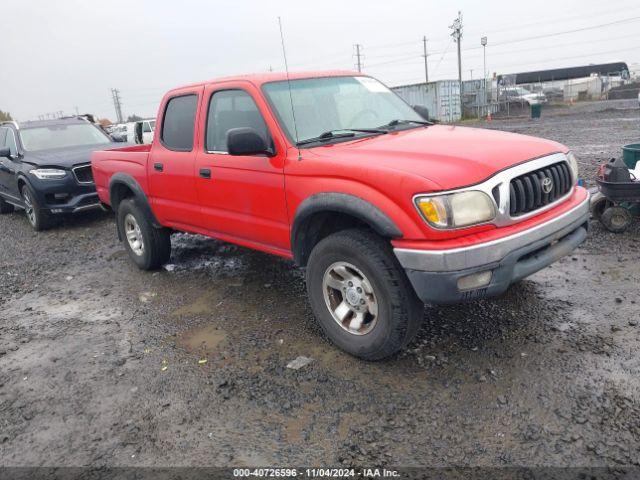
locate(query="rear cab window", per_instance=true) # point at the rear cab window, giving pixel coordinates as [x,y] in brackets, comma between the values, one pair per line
[178,124]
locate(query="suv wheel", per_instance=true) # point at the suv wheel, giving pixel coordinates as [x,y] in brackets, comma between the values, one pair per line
[5,207]
[361,295]
[37,218]
[149,247]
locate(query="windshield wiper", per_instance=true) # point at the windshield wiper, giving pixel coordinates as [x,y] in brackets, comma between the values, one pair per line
[395,123]
[347,132]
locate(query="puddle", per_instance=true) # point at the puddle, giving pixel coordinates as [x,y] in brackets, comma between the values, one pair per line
[202,305]
[202,340]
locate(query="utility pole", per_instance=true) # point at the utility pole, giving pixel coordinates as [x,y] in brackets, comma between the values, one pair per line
[471,73]
[426,66]
[77,111]
[359,57]
[457,37]
[115,95]
[483,42]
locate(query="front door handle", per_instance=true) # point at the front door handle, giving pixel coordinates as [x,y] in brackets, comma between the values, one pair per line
[205,173]
[158,167]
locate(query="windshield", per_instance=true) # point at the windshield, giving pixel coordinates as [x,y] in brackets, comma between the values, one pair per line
[336,103]
[61,136]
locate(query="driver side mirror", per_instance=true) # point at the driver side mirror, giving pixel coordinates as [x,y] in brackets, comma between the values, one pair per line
[422,111]
[5,152]
[246,141]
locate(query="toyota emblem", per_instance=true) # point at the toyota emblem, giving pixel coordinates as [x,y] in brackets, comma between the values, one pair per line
[547,185]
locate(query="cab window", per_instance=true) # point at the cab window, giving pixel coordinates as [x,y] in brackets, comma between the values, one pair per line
[179,123]
[232,109]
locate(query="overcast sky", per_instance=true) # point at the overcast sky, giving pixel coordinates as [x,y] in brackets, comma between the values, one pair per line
[58,55]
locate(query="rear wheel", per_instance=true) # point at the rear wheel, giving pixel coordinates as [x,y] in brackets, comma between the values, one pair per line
[149,247]
[616,219]
[37,218]
[5,207]
[361,295]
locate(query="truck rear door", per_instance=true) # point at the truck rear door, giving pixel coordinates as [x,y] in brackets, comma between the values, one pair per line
[171,164]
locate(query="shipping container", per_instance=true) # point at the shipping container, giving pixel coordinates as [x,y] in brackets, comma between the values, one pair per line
[442,98]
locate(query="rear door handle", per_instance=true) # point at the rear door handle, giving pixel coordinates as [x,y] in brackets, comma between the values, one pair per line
[205,172]
[158,166]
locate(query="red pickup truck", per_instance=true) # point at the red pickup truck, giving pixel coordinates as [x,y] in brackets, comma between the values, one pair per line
[334,171]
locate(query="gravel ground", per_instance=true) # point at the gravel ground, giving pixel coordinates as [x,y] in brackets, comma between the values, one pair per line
[104,365]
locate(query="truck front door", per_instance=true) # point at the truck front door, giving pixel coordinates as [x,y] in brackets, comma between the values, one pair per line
[242,197]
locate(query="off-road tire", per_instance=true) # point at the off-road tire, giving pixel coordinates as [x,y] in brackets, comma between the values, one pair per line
[400,312]
[5,207]
[156,241]
[616,219]
[38,219]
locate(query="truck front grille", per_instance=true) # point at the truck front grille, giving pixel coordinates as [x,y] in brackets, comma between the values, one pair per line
[539,188]
[83,174]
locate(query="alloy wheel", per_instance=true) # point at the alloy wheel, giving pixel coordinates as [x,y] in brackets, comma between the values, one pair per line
[350,298]
[133,234]
[29,209]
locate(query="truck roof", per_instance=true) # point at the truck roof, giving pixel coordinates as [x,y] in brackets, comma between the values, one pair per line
[259,79]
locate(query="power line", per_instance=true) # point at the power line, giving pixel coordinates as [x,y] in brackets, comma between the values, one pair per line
[565,32]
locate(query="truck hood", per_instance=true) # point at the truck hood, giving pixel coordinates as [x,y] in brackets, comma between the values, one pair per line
[447,155]
[66,157]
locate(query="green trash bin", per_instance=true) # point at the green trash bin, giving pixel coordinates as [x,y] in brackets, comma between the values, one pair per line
[631,154]
[536,110]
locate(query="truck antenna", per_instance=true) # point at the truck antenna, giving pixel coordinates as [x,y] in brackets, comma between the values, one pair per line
[293,111]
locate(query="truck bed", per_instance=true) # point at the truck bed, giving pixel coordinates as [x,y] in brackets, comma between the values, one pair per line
[130,160]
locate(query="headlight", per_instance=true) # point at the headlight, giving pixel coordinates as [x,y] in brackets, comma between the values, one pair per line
[49,173]
[573,164]
[456,210]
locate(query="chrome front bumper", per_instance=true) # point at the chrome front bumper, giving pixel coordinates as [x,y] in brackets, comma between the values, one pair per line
[438,276]
[495,250]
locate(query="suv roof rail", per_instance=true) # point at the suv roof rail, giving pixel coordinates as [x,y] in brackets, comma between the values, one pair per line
[11,122]
[83,116]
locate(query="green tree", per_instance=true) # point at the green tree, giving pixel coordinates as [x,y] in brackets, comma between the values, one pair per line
[133,118]
[5,116]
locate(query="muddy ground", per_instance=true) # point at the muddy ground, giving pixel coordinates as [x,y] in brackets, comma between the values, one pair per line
[101,364]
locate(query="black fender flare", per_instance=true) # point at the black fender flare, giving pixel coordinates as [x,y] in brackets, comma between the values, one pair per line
[138,193]
[341,203]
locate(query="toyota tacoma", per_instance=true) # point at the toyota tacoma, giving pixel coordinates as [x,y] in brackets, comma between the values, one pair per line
[335,172]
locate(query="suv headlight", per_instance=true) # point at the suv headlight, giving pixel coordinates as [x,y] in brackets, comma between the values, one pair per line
[49,173]
[456,210]
[573,164]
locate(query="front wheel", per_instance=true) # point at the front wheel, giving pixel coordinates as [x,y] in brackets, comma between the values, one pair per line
[616,219]
[149,247]
[361,296]
[37,218]
[599,203]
